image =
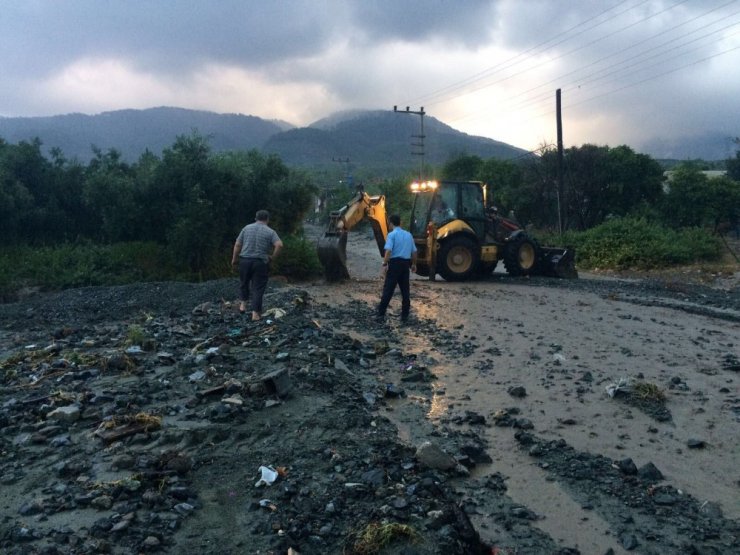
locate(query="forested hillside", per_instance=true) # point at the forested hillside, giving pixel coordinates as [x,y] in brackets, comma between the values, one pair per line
[132,132]
[375,142]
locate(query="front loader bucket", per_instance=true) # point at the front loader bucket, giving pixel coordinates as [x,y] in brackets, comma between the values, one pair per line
[557,262]
[332,251]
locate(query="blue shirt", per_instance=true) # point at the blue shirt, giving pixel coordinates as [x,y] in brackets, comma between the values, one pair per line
[401,244]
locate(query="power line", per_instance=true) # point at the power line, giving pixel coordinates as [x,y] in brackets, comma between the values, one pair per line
[630,85]
[591,78]
[483,86]
[495,68]
[540,97]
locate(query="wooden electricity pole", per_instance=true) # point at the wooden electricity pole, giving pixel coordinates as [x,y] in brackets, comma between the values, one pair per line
[559,118]
[421,136]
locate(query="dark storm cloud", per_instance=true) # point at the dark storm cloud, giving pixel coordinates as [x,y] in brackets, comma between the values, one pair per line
[167,36]
[177,35]
[467,22]
[469,61]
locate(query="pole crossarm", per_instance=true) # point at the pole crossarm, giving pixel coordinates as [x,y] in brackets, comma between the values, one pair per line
[421,136]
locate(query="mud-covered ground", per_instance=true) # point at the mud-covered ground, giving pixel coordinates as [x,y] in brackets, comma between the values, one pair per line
[136,419]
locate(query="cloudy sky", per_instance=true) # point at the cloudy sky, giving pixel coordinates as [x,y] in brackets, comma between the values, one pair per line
[629,70]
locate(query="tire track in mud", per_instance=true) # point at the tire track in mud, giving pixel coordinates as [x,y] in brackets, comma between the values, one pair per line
[624,523]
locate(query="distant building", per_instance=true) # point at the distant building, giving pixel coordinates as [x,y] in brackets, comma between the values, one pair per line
[668,177]
[711,174]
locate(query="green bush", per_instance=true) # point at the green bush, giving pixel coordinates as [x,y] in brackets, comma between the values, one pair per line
[298,259]
[77,265]
[635,243]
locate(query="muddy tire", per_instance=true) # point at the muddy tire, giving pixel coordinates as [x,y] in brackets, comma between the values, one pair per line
[521,256]
[458,259]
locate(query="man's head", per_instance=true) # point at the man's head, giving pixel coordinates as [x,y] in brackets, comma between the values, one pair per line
[395,219]
[262,216]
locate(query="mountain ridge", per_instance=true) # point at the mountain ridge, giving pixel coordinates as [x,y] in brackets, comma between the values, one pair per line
[381,142]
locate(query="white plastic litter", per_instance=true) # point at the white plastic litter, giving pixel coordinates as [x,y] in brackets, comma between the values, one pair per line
[622,385]
[276,313]
[269,475]
[558,357]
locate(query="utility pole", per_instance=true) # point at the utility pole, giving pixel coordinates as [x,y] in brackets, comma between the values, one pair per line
[421,136]
[559,119]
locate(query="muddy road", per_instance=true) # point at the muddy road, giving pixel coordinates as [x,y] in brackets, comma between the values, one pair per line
[136,419]
[563,343]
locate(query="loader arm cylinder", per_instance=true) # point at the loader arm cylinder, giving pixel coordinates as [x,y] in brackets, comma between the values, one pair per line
[332,246]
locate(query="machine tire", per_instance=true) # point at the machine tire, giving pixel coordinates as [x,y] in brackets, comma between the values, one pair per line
[521,256]
[458,258]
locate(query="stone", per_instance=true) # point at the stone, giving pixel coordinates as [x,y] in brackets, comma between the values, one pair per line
[120,526]
[70,413]
[650,472]
[517,391]
[628,541]
[432,456]
[627,466]
[151,541]
[103,502]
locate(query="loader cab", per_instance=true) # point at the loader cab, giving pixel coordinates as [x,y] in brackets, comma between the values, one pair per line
[444,202]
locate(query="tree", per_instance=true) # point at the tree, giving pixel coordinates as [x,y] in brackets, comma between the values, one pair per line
[733,167]
[687,201]
[462,168]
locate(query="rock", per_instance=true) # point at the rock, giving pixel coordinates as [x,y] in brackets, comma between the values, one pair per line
[664,499]
[628,541]
[70,413]
[627,466]
[103,502]
[151,541]
[650,472]
[523,512]
[32,507]
[374,477]
[278,383]
[121,525]
[696,444]
[523,423]
[517,391]
[432,456]
[393,392]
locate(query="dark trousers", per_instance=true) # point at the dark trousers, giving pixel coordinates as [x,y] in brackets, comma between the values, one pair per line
[253,274]
[397,274]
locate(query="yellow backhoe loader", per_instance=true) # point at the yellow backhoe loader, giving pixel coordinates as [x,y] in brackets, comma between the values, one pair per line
[457,235]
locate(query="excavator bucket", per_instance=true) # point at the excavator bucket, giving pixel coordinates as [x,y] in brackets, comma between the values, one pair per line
[558,262]
[332,251]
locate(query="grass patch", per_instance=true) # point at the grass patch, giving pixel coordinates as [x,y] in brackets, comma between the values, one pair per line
[135,335]
[648,392]
[376,536]
[87,264]
[636,244]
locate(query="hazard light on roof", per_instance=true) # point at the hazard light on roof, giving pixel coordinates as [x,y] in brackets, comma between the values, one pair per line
[423,186]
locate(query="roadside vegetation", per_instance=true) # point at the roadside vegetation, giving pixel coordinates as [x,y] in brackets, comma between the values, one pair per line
[615,205]
[175,216]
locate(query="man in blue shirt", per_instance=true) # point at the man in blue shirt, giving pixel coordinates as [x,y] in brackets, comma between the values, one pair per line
[400,256]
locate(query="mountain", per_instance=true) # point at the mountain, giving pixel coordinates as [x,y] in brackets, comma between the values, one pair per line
[707,146]
[379,142]
[383,142]
[131,132]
